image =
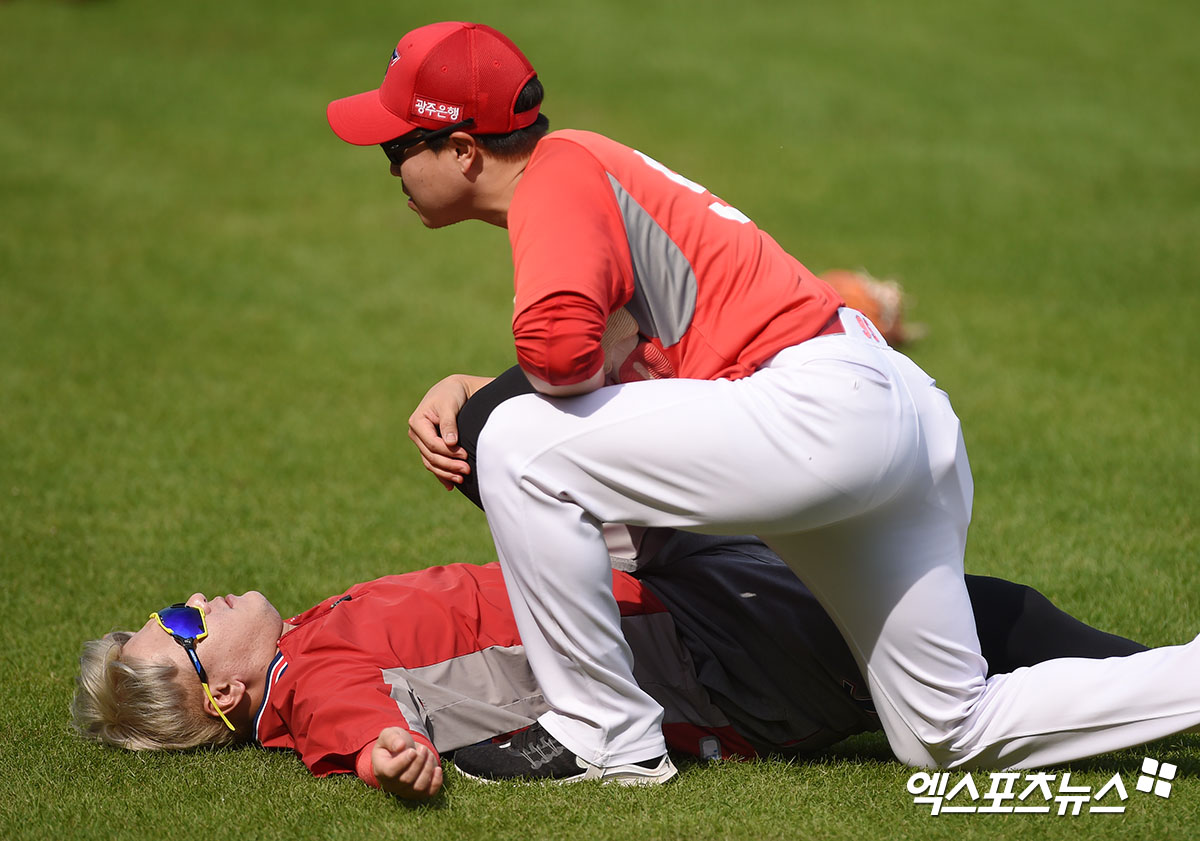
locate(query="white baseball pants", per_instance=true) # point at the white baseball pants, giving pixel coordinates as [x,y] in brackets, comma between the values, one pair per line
[849,462]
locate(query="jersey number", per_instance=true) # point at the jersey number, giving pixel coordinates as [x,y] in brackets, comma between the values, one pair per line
[725,211]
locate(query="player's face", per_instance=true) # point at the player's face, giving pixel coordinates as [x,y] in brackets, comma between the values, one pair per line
[243,632]
[435,185]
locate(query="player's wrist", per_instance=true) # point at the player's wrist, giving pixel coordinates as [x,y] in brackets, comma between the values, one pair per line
[364,765]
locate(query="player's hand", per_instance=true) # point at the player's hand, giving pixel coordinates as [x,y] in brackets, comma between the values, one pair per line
[404,768]
[433,427]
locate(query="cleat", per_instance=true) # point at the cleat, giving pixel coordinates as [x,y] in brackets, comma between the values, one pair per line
[533,754]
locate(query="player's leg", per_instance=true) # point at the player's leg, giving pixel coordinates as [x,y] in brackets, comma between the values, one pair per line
[1018,626]
[905,620]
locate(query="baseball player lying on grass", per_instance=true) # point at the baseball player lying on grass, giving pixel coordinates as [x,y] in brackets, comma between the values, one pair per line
[382,678]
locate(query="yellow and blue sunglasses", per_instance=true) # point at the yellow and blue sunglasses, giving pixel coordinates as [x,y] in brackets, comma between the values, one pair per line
[187,626]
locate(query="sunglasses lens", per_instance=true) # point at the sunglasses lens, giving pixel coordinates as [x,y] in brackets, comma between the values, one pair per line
[395,149]
[181,620]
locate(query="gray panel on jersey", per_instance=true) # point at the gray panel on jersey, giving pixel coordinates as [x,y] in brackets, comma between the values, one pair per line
[470,698]
[475,696]
[664,285]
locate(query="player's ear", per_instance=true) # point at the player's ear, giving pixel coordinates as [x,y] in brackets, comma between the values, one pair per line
[466,151]
[228,695]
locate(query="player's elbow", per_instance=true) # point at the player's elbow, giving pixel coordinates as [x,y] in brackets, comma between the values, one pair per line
[560,366]
[558,345]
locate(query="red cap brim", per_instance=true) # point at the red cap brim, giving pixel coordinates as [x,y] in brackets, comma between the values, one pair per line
[362,120]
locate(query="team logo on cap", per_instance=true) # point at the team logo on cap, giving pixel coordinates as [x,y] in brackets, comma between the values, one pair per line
[395,57]
[433,110]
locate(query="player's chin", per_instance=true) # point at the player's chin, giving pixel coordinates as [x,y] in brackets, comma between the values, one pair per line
[436,217]
[426,220]
[254,600]
[430,220]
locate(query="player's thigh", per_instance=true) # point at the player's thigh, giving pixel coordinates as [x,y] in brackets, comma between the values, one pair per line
[776,451]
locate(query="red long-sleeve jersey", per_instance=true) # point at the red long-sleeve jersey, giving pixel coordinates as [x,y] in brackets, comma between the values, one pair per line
[622,264]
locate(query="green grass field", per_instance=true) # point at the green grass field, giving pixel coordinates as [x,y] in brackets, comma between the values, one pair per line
[215,319]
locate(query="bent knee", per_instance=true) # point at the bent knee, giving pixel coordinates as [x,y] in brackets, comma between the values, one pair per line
[515,432]
[917,754]
[950,746]
[949,738]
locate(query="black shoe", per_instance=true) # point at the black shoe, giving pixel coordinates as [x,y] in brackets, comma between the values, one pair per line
[533,754]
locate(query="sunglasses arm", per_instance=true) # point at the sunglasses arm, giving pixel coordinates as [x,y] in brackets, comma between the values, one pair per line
[204,683]
[217,706]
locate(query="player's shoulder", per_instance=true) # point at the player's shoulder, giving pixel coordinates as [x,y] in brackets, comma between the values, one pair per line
[438,582]
[577,137]
[574,147]
[439,578]
[566,165]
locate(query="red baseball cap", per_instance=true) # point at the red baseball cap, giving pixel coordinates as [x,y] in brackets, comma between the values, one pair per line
[440,74]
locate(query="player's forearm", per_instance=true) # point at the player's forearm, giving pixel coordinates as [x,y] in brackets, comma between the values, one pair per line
[472,383]
[363,768]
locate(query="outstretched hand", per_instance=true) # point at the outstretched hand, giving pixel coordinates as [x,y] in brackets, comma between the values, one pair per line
[404,768]
[433,427]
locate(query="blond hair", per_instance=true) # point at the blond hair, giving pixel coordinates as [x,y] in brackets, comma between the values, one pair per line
[139,705]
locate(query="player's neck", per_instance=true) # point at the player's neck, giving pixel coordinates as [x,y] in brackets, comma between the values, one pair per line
[495,187]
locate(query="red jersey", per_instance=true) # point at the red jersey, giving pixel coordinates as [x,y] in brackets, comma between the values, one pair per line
[625,265]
